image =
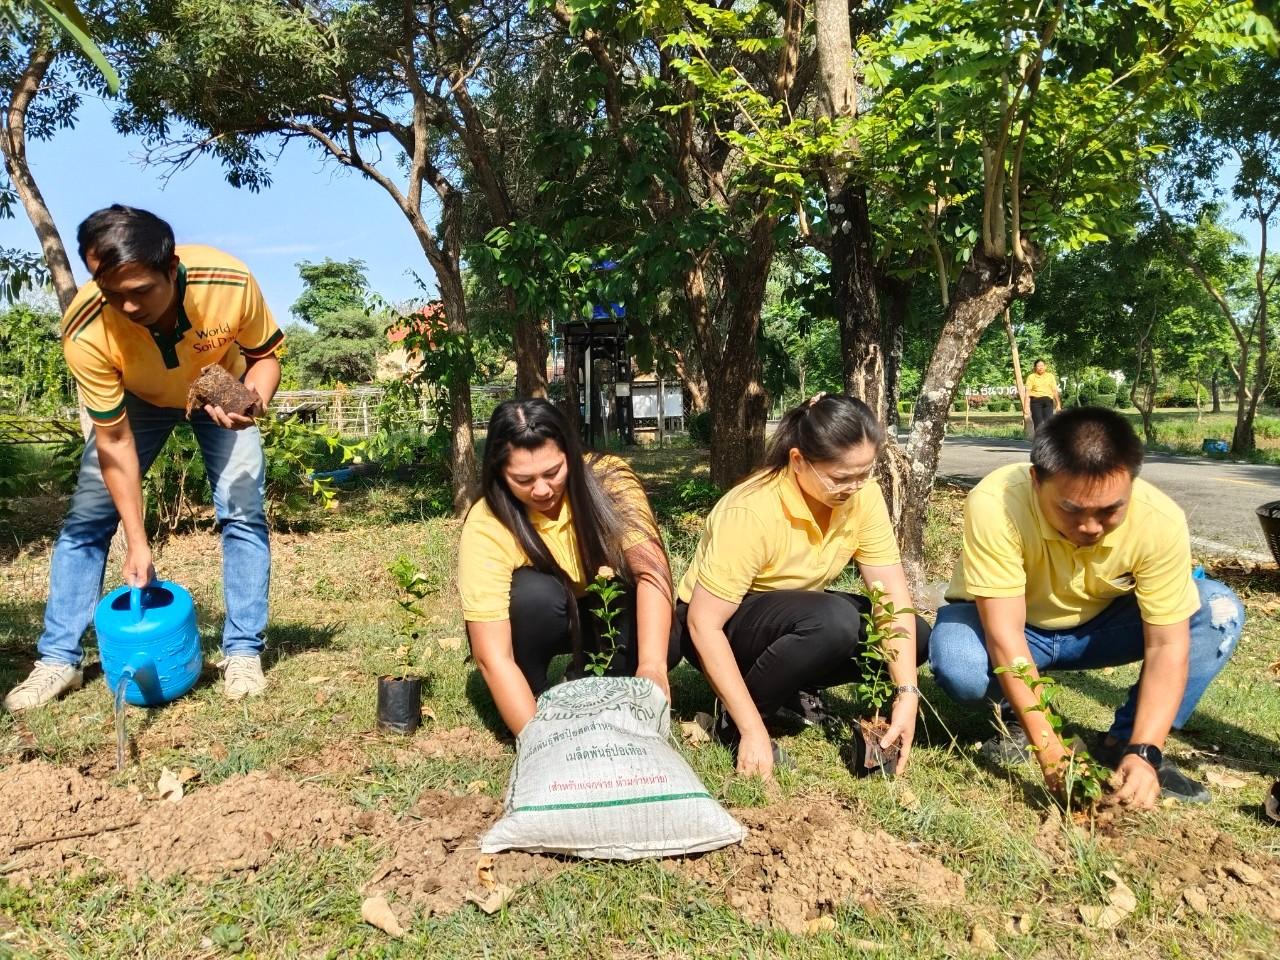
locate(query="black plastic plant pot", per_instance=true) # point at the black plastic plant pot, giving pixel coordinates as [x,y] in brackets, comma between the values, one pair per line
[399,704]
[863,754]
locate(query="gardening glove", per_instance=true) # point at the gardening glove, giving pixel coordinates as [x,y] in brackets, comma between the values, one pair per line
[902,727]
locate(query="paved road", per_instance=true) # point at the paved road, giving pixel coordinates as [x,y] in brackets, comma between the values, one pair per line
[1219,498]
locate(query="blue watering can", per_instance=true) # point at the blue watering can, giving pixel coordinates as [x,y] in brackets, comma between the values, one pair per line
[147,636]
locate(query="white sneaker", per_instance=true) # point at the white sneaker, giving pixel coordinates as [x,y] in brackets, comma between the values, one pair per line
[242,677]
[47,682]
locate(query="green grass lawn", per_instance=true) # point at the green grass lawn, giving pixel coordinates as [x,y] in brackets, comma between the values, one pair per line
[336,627]
[1178,430]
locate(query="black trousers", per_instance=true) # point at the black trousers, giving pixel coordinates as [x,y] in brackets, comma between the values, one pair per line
[785,641]
[540,628]
[1041,410]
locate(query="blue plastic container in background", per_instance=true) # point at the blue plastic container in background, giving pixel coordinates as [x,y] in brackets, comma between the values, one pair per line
[1215,446]
[149,636]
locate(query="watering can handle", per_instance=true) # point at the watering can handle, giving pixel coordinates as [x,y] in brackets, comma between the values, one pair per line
[135,602]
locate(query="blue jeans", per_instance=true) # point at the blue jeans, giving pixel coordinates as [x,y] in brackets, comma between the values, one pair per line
[958,651]
[236,468]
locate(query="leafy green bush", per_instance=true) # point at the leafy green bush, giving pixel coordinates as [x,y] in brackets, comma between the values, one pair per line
[697,493]
[699,427]
[959,406]
[905,407]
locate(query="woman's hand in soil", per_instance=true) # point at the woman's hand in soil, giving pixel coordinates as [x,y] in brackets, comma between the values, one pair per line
[138,570]
[902,727]
[755,756]
[1135,783]
[657,672]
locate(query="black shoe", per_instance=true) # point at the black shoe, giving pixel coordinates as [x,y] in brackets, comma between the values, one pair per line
[1174,784]
[724,731]
[1009,747]
[1272,805]
[805,709]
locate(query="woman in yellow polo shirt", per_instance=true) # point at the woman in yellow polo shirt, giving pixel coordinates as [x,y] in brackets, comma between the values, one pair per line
[1042,394]
[550,518]
[761,624]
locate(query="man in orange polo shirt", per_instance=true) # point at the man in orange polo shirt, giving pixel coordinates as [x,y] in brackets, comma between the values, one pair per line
[135,337]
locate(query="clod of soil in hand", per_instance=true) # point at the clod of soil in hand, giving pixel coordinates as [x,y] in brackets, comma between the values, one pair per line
[1121,901]
[804,858]
[169,787]
[215,387]
[376,912]
[981,939]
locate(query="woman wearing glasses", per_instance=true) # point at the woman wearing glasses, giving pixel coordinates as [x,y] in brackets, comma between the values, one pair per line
[759,621]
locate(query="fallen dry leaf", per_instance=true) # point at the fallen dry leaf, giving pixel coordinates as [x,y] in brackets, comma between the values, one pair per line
[376,912]
[980,938]
[484,872]
[1121,901]
[218,752]
[428,713]
[477,786]
[693,733]
[1226,781]
[321,697]
[187,774]
[449,643]
[494,900]
[869,945]
[908,800]
[169,787]
[314,680]
[1018,924]
[822,924]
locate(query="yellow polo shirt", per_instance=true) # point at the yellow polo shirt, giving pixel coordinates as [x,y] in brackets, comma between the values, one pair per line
[1041,384]
[222,318]
[488,554]
[761,536]
[1011,550]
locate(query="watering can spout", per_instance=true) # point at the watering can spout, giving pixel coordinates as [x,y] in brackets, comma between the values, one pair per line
[141,669]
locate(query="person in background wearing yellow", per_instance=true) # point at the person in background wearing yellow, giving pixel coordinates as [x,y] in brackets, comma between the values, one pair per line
[552,517]
[135,338]
[1042,394]
[761,624]
[1072,562]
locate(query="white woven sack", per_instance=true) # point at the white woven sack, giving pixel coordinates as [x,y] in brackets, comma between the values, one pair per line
[596,776]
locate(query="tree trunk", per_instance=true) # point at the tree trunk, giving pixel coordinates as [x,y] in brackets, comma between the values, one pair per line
[853,286]
[739,409]
[531,352]
[1213,389]
[462,438]
[1021,387]
[13,143]
[1242,440]
[695,384]
[896,308]
[982,292]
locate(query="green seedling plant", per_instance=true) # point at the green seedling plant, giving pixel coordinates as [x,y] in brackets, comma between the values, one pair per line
[606,588]
[875,688]
[414,587]
[1082,785]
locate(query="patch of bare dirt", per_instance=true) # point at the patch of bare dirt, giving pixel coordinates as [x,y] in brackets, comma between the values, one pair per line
[803,858]
[457,742]
[437,865]
[54,820]
[1196,867]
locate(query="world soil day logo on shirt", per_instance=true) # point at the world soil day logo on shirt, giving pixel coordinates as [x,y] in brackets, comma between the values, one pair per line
[212,338]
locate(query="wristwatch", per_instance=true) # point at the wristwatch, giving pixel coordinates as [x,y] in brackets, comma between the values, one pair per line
[1147,752]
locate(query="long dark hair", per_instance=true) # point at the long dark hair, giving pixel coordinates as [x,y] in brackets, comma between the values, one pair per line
[599,521]
[822,428]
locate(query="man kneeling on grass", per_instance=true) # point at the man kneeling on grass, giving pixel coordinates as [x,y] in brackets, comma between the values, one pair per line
[1073,563]
[136,337]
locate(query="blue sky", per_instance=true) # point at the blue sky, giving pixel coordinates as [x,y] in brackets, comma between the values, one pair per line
[312,210]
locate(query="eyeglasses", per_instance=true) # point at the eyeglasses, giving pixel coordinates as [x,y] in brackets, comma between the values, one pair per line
[849,486]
